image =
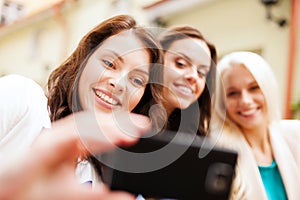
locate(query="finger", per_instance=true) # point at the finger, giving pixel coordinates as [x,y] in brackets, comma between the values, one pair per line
[52,149]
[130,127]
[101,131]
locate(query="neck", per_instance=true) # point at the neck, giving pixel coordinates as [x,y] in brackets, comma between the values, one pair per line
[259,141]
[255,137]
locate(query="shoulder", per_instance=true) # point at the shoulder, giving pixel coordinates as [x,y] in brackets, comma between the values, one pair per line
[19,93]
[288,127]
[16,89]
[289,130]
[23,112]
[21,99]
[15,81]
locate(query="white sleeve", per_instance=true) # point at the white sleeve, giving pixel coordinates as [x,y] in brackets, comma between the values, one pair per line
[23,113]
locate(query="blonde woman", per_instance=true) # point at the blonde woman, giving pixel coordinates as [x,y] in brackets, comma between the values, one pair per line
[269,153]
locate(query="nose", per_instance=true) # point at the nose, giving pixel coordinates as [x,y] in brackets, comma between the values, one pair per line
[116,85]
[246,98]
[191,74]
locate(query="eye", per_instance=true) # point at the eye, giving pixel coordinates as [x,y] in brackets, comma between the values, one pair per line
[108,64]
[254,88]
[138,81]
[202,72]
[232,94]
[180,63]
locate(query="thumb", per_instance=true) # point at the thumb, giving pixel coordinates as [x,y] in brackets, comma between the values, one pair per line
[103,131]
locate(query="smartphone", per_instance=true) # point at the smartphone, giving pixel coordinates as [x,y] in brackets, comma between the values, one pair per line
[172,165]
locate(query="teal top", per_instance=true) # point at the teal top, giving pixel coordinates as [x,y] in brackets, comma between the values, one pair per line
[272,182]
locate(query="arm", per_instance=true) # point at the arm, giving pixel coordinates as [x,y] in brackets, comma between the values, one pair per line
[47,171]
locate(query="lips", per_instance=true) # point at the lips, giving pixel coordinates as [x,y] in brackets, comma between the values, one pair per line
[184,89]
[107,98]
[248,112]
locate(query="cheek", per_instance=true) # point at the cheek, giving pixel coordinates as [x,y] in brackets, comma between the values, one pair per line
[91,74]
[135,97]
[261,99]
[169,75]
[89,78]
[230,106]
[201,86]
[83,90]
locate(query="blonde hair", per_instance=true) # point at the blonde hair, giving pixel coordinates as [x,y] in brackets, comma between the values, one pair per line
[224,130]
[262,73]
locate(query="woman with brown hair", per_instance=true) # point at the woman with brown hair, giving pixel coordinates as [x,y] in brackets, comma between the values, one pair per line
[185,102]
[108,71]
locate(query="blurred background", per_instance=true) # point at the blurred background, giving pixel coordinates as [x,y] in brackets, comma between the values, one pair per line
[36,36]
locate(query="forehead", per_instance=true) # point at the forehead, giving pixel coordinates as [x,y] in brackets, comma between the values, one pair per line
[123,43]
[196,49]
[237,75]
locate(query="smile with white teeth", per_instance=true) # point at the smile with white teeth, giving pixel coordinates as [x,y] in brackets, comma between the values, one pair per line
[185,89]
[106,98]
[248,112]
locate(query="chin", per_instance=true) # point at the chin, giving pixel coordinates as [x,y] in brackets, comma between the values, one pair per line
[183,107]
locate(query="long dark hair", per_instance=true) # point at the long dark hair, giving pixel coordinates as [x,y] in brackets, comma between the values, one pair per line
[63,98]
[204,102]
[196,118]
[63,81]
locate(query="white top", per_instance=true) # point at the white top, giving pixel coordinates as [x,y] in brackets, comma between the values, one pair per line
[23,113]
[85,172]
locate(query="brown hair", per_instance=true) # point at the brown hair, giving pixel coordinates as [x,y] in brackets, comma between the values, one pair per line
[202,113]
[63,82]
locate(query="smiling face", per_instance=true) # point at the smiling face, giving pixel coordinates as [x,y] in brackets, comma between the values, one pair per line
[245,102]
[115,75]
[187,63]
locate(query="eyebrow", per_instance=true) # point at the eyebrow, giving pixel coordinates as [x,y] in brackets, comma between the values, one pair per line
[142,71]
[115,54]
[253,83]
[249,84]
[190,60]
[230,88]
[122,60]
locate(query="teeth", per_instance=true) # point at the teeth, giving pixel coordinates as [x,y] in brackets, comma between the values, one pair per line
[249,112]
[106,98]
[185,89]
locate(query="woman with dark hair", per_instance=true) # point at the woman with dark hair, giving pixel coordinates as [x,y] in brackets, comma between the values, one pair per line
[189,79]
[64,82]
[108,71]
